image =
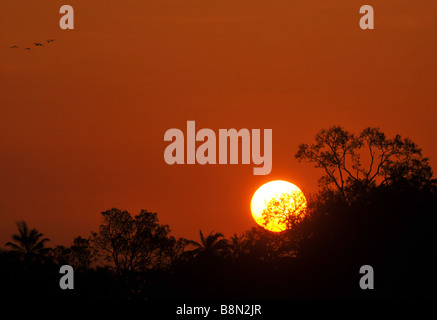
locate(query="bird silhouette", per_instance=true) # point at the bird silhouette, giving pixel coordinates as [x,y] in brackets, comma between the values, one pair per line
[37,44]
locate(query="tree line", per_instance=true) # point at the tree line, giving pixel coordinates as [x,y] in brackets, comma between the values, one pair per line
[376,206]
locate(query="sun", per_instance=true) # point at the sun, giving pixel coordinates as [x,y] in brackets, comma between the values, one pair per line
[281,202]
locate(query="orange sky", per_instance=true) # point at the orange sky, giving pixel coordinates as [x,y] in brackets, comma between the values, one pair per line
[83,119]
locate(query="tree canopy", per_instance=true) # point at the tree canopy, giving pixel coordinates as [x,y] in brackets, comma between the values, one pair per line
[354,163]
[133,243]
[284,210]
[29,244]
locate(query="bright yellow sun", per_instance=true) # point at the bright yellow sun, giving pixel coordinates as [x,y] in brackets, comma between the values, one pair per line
[276,204]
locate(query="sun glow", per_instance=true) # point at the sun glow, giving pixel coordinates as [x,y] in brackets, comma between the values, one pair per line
[276,204]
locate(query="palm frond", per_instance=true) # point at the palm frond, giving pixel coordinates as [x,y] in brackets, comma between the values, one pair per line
[14,246]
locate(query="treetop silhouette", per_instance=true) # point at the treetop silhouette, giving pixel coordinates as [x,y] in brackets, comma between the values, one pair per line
[353,163]
[213,244]
[284,210]
[134,243]
[29,244]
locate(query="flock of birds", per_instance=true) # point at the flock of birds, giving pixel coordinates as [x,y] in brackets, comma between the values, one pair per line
[36,44]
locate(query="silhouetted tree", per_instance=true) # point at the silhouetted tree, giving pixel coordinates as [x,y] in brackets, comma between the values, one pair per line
[266,246]
[286,209]
[174,251]
[61,255]
[28,244]
[81,253]
[133,243]
[354,163]
[237,246]
[212,245]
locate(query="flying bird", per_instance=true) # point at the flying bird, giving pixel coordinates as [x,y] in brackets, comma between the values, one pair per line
[37,44]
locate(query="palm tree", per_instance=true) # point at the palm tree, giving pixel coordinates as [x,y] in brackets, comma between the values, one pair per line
[237,245]
[28,243]
[213,244]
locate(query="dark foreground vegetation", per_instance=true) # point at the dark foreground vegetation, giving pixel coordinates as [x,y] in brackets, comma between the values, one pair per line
[382,214]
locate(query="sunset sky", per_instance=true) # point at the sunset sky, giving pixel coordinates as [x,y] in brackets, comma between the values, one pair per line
[83,118]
